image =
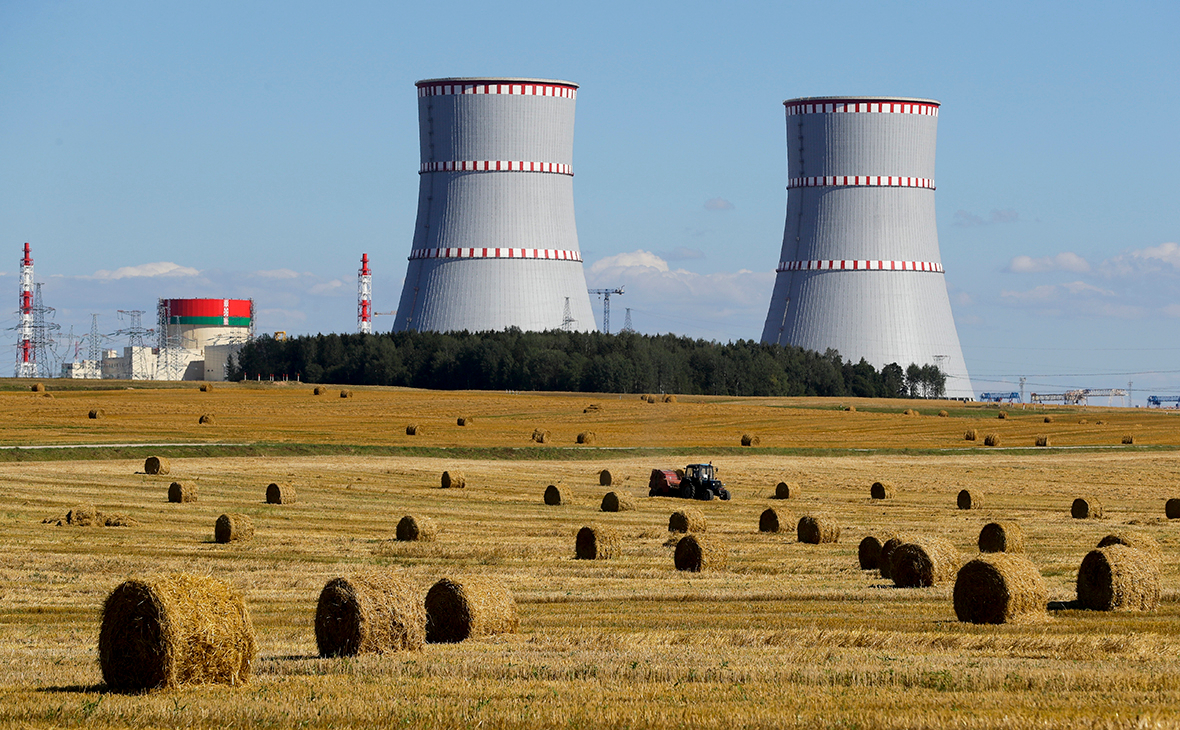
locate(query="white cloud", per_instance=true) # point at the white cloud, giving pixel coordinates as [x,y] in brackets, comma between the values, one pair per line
[1153,259]
[1065,261]
[718,204]
[327,287]
[158,268]
[634,259]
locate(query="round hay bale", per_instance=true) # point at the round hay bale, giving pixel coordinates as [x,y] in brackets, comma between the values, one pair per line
[604,478]
[207,418]
[999,588]
[156,465]
[926,561]
[319,390]
[1001,537]
[47,395]
[178,492]
[1086,509]
[541,435]
[206,387]
[415,528]
[851,409]
[669,398]
[783,490]
[689,519]
[651,399]
[992,439]
[413,430]
[775,519]
[618,502]
[969,500]
[469,608]
[1172,508]
[175,630]
[84,515]
[887,549]
[598,542]
[971,434]
[96,413]
[1128,440]
[868,552]
[911,412]
[1083,420]
[1048,419]
[816,529]
[37,387]
[586,437]
[369,614]
[280,493]
[1002,415]
[453,480]
[943,414]
[695,553]
[1099,423]
[1118,578]
[346,393]
[882,490]
[233,526]
[464,420]
[592,408]
[749,439]
[1138,541]
[552,495]
[644,397]
[1041,441]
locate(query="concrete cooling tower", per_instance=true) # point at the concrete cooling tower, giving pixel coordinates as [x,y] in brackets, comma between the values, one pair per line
[860,269]
[495,244]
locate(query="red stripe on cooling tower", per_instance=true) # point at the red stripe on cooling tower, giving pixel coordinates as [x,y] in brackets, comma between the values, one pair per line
[494,253]
[559,168]
[560,91]
[860,265]
[209,307]
[857,106]
[871,181]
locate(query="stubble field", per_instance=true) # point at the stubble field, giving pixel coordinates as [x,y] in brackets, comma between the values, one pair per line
[787,635]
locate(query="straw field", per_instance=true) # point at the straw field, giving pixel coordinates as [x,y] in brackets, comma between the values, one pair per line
[785,634]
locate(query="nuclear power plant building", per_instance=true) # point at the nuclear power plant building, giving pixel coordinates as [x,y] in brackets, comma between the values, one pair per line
[860,269]
[495,244]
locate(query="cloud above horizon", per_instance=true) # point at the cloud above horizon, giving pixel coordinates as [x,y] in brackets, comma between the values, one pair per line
[1065,261]
[157,268]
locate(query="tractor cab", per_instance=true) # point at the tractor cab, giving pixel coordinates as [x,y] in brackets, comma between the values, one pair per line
[700,472]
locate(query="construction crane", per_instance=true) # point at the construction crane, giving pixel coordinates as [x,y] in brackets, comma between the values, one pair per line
[1159,400]
[605,294]
[1079,397]
[998,397]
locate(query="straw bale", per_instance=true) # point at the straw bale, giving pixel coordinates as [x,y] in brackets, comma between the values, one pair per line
[464,420]
[644,397]
[469,608]
[1172,508]
[206,387]
[586,437]
[175,630]
[999,588]
[1001,537]
[156,465]
[1041,441]
[373,613]
[1137,540]
[969,500]
[669,398]
[416,528]
[453,480]
[924,562]
[96,413]
[1097,423]
[87,515]
[37,387]
[992,439]
[233,526]
[1118,578]
[689,519]
[971,434]
[868,553]
[116,519]
[882,490]
[413,430]
[346,393]
[618,502]
[651,399]
[178,492]
[598,542]
[207,418]
[750,440]
[1048,419]
[84,515]
[1128,439]
[776,519]
[911,412]
[1002,415]
[888,547]
[604,478]
[816,529]
[552,496]
[541,435]
[280,493]
[47,395]
[320,390]
[1084,508]
[943,414]
[696,552]
[592,408]
[783,490]
[851,409]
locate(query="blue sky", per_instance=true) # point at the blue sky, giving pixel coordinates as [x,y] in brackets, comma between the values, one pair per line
[257,149]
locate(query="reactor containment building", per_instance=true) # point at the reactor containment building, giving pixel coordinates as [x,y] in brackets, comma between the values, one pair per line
[495,244]
[860,269]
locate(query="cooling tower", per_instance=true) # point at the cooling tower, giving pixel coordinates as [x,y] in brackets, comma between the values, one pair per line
[495,243]
[860,269]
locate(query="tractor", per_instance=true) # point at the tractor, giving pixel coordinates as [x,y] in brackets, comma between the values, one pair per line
[695,481]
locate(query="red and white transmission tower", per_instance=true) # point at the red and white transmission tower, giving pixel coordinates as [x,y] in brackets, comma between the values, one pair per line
[364,304]
[26,354]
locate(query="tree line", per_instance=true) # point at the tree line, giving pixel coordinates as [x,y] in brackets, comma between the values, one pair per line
[590,362]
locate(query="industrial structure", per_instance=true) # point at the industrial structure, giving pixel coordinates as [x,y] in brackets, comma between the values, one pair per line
[495,243]
[860,270]
[1081,396]
[26,355]
[364,298]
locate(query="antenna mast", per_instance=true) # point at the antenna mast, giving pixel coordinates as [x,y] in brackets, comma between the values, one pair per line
[364,303]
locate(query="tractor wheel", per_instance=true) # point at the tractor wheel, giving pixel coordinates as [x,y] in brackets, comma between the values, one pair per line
[725,494]
[705,495]
[686,490]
